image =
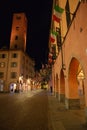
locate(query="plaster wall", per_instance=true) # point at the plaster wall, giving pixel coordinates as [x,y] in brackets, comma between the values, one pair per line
[75,45]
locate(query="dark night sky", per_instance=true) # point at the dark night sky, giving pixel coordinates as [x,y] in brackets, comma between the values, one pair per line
[38,13]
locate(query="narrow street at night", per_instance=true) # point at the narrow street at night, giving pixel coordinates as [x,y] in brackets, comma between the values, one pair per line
[43,65]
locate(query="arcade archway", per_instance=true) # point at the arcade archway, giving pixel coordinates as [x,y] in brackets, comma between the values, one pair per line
[76,84]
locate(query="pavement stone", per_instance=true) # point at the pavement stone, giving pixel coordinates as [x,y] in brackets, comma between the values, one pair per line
[59,118]
[63,119]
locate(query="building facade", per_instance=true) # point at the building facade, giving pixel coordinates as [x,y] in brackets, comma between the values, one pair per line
[69,70]
[16,67]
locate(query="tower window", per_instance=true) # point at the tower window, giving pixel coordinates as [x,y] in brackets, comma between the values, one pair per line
[15,46]
[17,28]
[18,17]
[16,37]
[13,64]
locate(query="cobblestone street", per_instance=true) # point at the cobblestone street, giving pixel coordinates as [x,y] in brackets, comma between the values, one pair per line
[23,111]
[38,110]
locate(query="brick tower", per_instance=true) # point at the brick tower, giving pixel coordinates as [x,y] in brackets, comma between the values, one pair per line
[18,32]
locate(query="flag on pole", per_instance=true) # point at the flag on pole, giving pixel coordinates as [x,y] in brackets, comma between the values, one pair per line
[55,33]
[50,55]
[53,36]
[57,13]
[55,18]
[58,9]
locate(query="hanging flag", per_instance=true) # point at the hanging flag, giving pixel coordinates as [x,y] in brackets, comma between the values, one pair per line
[55,18]
[57,13]
[50,55]
[55,33]
[58,9]
[50,60]
[52,39]
[53,36]
[53,49]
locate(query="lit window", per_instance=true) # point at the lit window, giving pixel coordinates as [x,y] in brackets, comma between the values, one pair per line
[13,64]
[2,64]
